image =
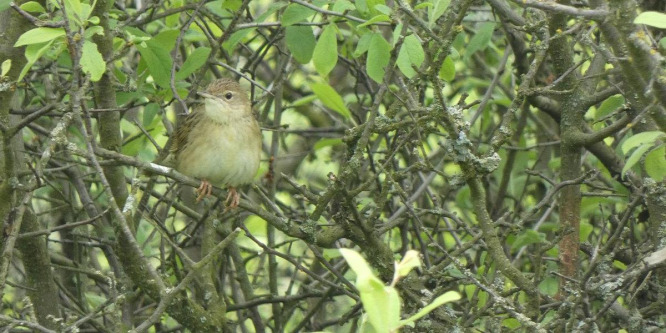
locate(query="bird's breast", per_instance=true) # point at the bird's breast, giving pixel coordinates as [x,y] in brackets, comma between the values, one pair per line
[225,154]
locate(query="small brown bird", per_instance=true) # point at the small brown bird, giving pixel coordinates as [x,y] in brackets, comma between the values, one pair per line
[220,141]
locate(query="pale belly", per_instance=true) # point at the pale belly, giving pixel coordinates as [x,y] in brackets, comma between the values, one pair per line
[226,155]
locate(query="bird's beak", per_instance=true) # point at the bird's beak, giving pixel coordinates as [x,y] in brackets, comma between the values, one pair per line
[205,94]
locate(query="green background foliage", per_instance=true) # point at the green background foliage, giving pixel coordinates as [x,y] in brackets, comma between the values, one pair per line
[516,145]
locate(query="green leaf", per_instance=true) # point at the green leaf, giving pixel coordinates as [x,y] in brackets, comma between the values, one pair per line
[85,11]
[410,261]
[158,61]
[375,5]
[438,8]
[135,35]
[274,7]
[411,55]
[379,53]
[156,54]
[295,13]
[172,21]
[327,143]
[368,7]
[375,19]
[585,230]
[609,105]
[619,265]
[481,39]
[363,45]
[361,6]
[39,35]
[342,6]
[194,61]
[655,163]
[166,39]
[91,61]
[511,323]
[33,52]
[74,10]
[383,9]
[233,5]
[300,42]
[5,67]
[549,286]
[357,263]
[634,158]
[448,70]
[653,19]
[302,101]
[235,38]
[423,5]
[644,138]
[397,32]
[94,30]
[330,98]
[528,237]
[382,305]
[149,113]
[449,296]
[325,55]
[33,7]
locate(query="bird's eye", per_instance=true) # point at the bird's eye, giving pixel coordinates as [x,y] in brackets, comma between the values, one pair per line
[228,95]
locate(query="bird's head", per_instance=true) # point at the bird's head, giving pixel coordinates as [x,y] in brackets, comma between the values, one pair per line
[224,99]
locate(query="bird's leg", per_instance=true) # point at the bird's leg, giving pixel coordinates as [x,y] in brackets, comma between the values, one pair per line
[233,198]
[205,189]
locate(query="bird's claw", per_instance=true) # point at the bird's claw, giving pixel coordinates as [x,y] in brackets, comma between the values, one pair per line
[204,190]
[233,198]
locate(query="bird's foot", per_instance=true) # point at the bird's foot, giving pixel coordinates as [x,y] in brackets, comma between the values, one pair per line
[204,190]
[233,198]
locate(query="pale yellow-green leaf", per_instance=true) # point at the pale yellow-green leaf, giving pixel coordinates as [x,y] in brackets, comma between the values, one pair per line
[448,70]
[91,61]
[375,19]
[410,261]
[356,262]
[330,98]
[449,296]
[6,66]
[33,7]
[411,55]
[39,35]
[641,139]
[32,53]
[653,19]
[655,163]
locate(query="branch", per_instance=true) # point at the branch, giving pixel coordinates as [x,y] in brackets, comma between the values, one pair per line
[597,14]
[168,295]
[332,13]
[24,323]
[62,227]
[590,138]
[35,20]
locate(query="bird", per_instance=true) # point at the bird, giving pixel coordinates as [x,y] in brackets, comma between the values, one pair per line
[219,142]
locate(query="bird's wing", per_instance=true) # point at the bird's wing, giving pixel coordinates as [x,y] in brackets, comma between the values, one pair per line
[185,128]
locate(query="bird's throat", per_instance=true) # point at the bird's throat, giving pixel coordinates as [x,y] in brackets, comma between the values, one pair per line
[225,113]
